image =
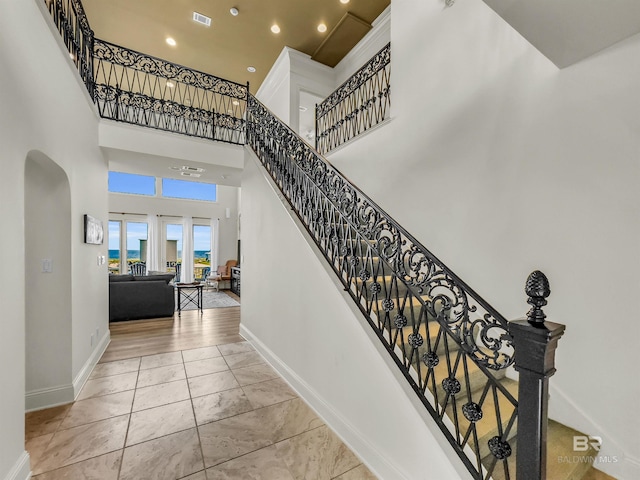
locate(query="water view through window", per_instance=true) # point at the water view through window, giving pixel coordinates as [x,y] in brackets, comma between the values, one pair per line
[114,247]
[201,250]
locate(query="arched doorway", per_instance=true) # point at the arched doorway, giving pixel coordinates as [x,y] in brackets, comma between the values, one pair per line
[47,228]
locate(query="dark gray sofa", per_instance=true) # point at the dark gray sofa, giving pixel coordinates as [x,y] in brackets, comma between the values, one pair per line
[133,297]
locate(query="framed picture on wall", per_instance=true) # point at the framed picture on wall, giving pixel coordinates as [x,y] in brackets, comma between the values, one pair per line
[93,231]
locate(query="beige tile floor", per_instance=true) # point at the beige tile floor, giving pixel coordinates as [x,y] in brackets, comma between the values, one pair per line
[211,413]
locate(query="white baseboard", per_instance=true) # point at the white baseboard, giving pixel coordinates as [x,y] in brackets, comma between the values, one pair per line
[21,469]
[358,443]
[612,458]
[54,396]
[85,371]
[48,397]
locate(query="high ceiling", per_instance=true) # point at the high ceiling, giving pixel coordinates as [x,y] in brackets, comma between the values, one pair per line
[233,43]
[567,31]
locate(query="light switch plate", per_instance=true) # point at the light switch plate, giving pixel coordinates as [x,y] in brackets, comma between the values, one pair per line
[47,265]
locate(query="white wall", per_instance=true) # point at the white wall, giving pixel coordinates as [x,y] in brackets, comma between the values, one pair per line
[311,331]
[501,164]
[275,90]
[227,198]
[43,108]
[292,74]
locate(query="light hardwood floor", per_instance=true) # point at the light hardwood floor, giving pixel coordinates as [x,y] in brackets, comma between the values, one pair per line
[185,398]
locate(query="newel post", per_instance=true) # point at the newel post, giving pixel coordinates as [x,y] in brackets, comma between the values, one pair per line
[535,344]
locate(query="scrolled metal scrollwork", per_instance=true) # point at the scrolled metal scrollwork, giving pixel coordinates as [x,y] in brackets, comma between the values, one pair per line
[377,62]
[426,315]
[472,411]
[125,57]
[499,448]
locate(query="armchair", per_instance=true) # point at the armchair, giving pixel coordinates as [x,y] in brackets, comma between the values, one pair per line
[224,272]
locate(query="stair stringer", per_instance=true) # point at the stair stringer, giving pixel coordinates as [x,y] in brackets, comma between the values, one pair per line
[376,414]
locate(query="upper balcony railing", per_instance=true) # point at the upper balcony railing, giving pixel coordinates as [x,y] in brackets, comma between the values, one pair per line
[76,33]
[139,89]
[360,103]
[136,88]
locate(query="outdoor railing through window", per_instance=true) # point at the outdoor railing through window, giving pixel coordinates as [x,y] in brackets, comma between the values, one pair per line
[450,344]
[360,103]
[135,88]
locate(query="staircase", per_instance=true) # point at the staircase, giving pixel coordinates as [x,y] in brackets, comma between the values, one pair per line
[453,348]
[439,357]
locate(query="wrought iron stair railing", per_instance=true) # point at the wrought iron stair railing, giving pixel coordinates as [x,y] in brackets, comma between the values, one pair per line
[450,344]
[361,102]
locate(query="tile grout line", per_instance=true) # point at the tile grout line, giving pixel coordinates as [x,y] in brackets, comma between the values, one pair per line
[195,419]
[126,436]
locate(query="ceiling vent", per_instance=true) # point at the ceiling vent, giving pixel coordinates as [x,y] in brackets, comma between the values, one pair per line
[189,174]
[203,19]
[187,168]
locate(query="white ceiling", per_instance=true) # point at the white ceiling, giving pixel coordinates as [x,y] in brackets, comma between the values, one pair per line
[567,31]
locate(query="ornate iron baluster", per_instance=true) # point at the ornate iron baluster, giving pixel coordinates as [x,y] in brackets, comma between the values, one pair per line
[143,90]
[73,25]
[360,103]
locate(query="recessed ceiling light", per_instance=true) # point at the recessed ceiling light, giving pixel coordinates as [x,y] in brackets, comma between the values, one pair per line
[302,109]
[171,41]
[322,28]
[234,11]
[344,1]
[275,28]
[251,69]
[171,84]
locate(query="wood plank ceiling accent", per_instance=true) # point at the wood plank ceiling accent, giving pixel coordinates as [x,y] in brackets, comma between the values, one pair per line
[344,36]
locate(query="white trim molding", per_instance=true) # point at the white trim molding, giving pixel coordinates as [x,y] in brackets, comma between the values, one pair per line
[48,397]
[91,362]
[21,469]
